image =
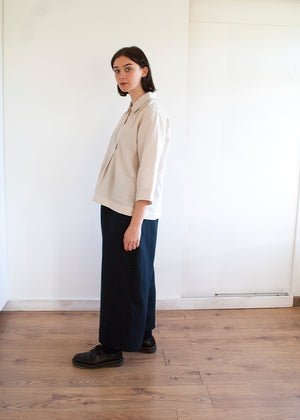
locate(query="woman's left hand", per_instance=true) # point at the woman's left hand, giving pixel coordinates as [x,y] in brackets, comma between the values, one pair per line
[132,238]
[133,233]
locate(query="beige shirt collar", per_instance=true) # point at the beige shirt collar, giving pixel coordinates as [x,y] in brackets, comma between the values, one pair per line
[141,101]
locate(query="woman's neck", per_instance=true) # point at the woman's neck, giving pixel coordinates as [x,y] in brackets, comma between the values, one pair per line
[136,94]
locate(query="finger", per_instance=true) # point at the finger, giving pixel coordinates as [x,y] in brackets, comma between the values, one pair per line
[131,246]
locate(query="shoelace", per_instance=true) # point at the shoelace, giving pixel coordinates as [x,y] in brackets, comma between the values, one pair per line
[97,349]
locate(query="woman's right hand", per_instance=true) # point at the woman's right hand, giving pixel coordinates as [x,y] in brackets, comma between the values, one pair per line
[132,238]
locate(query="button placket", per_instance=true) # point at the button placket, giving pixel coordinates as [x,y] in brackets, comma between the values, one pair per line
[129,112]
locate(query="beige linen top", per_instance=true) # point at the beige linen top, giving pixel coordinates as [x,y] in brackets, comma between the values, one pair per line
[134,162]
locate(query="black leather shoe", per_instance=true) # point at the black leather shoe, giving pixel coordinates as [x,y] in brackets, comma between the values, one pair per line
[148,346]
[96,358]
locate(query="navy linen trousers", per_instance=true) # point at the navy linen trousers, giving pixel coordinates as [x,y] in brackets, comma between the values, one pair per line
[128,296]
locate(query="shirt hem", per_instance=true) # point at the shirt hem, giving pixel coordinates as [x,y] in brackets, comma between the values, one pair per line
[127,211]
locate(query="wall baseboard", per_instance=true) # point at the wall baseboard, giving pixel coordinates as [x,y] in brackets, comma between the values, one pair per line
[218,302]
[3,302]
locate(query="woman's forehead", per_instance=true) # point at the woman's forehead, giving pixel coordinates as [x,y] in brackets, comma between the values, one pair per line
[123,61]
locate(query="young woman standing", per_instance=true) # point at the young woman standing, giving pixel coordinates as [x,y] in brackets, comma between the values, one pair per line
[129,190]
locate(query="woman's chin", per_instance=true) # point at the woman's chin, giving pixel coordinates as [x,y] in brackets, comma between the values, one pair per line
[124,88]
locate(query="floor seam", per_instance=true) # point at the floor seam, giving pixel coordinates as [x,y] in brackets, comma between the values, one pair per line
[211,401]
[165,357]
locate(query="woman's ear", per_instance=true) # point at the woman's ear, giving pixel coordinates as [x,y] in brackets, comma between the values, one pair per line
[145,71]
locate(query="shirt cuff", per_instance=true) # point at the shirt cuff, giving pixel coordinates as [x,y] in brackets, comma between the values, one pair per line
[145,194]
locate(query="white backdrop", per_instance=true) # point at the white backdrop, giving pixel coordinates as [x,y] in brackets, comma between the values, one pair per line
[244,128]
[4,292]
[226,70]
[61,106]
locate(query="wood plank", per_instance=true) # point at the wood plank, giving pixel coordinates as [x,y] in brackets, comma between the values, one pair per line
[258,393]
[87,413]
[243,371]
[68,376]
[243,314]
[96,398]
[211,328]
[249,365]
[270,413]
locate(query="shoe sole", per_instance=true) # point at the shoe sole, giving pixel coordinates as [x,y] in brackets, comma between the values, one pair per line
[148,349]
[113,363]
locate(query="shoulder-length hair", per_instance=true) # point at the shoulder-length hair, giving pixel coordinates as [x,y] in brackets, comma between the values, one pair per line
[137,55]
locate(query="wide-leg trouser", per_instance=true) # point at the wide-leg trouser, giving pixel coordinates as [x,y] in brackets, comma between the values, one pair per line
[128,295]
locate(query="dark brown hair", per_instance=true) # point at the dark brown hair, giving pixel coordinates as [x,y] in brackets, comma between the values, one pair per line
[137,55]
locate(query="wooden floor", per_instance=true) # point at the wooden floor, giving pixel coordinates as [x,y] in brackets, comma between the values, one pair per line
[210,364]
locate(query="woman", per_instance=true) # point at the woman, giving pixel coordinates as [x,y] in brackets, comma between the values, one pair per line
[129,191]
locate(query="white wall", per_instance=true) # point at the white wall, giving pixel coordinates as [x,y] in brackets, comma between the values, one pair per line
[230,195]
[61,106]
[4,294]
[244,107]
[295,283]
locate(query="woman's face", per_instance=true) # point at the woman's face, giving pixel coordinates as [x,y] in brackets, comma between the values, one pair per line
[128,74]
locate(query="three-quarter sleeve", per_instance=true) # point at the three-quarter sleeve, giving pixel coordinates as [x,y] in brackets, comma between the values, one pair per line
[152,141]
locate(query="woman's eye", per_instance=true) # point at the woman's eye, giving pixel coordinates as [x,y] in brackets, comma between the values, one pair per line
[127,69]
[117,71]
